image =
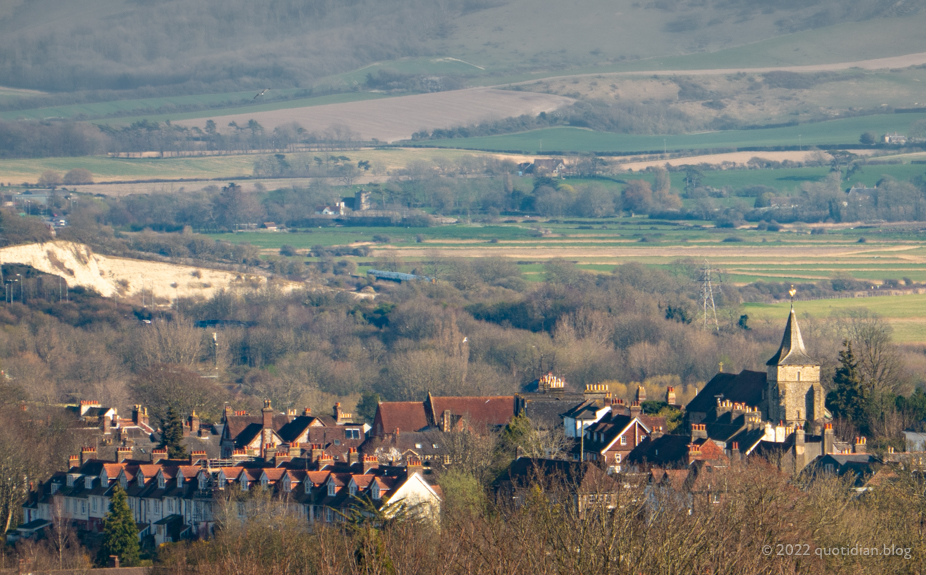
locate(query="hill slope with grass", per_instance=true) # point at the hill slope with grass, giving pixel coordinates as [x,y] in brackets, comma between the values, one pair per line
[193,46]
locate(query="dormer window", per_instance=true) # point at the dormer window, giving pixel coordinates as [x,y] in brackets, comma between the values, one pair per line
[376,494]
[88,483]
[244,485]
[264,483]
[287,486]
[353,488]
[104,479]
[221,481]
[160,481]
[202,482]
[54,488]
[123,483]
[332,490]
[179,479]
[70,481]
[141,479]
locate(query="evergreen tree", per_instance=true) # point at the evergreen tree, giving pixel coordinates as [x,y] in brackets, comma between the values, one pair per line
[120,533]
[172,435]
[847,399]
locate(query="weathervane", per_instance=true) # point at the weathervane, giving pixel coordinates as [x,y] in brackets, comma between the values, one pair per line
[791,292]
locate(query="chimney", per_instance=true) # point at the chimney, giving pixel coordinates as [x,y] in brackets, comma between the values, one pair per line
[291,414]
[635,408]
[123,453]
[698,431]
[86,454]
[829,439]
[114,561]
[85,405]
[369,462]
[446,421]
[735,450]
[325,460]
[306,412]
[341,416]
[281,457]
[860,445]
[641,394]
[413,466]
[294,450]
[194,424]
[198,457]
[136,414]
[269,450]
[317,451]
[694,452]
[267,414]
[226,413]
[106,424]
[670,396]
[73,461]
[158,455]
[352,456]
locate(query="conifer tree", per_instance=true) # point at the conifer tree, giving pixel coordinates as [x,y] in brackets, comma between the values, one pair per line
[120,533]
[172,435]
[847,399]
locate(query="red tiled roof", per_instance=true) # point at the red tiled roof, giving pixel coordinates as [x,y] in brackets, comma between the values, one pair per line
[497,410]
[402,415]
[274,473]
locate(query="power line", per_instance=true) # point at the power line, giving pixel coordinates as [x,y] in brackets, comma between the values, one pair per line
[706,295]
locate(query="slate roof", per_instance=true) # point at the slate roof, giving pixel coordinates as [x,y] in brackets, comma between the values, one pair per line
[745,387]
[791,351]
[581,476]
[547,410]
[237,423]
[663,451]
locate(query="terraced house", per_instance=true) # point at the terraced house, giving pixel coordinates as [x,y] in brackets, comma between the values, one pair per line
[176,499]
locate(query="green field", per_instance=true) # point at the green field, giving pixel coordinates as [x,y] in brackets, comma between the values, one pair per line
[904,313]
[552,140]
[216,104]
[600,245]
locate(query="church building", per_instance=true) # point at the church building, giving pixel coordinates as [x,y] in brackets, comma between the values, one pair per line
[779,413]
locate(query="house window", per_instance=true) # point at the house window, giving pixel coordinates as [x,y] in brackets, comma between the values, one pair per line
[170,505]
[83,506]
[157,506]
[623,440]
[617,458]
[54,488]
[331,490]
[88,483]
[244,485]
[337,442]
[417,446]
[353,489]
[329,515]
[352,433]
[95,504]
[264,482]
[160,482]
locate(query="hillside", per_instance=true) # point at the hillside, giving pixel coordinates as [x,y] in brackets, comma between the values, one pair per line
[196,46]
[122,277]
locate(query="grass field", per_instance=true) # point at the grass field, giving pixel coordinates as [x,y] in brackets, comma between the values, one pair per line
[599,246]
[833,132]
[101,109]
[904,313]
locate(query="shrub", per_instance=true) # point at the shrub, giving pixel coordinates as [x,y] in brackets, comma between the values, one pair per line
[287,251]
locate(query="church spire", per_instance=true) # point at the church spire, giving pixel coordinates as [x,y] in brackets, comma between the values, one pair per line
[792,351]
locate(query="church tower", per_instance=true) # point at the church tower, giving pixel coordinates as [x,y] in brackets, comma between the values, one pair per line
[794,392]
